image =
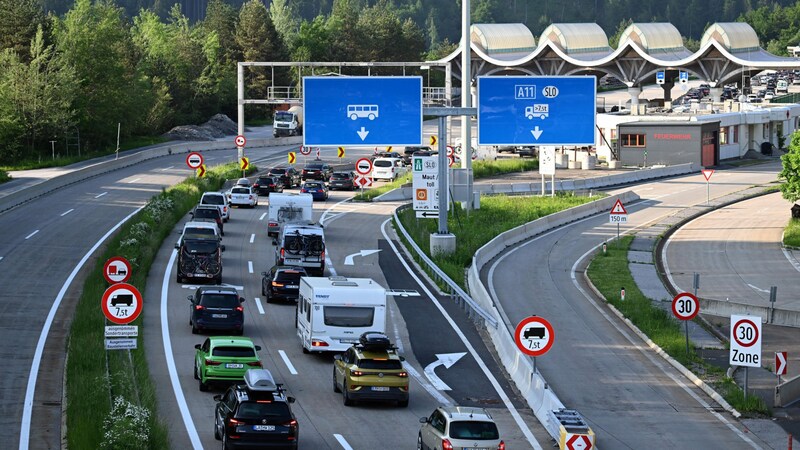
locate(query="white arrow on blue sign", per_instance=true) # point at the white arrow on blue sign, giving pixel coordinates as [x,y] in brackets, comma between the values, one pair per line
[660,77]
[536,110]
[353,111]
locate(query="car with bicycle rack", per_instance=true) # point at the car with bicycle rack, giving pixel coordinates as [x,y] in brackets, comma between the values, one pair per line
[303,245]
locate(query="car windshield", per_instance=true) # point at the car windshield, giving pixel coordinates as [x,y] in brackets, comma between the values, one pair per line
[282,116]
[200,246]
[204,213]
[277,171]
[380,364]
[314,167]
[265,181]
[234,352]
[289,276]
[213,200]
[241,190]
[313,185]
[258,410]
[341,176]
[473,430]
[382,163]
[344,316]
[219,300]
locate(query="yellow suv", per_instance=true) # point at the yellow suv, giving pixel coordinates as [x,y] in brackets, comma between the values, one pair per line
[371,370]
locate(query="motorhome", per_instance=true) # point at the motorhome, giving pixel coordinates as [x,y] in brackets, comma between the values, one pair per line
[286,208]
[332,312]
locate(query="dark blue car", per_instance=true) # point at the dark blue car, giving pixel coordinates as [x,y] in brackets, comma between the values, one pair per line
[317,189]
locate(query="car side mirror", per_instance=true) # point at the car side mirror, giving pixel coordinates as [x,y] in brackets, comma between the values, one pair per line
[190,298]
[258,348]
[423,420]
[274,242]
[402,358]
[337,357]
[222,248]
[218,398]
[177,245]
[263,274]
[290,399]
[197,346]
[241,299]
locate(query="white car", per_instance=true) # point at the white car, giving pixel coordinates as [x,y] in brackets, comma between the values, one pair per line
[220,200]
[388,168]
[457,427]
[243,196]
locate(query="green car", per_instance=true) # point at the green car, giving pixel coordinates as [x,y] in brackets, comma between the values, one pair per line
[224,359]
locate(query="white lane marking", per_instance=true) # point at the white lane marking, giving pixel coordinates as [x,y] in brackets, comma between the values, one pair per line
[258,305]
[186,415]
[67,212]
[134,180]
[100,195]
[27,407]
[288,363]
[342,442]
[250,266]
[608,317]
[31,235]
[1,258]
[329,264]
[252,237]
[489,375]
[442,359]
[329,211]
[262,216]
[167,168]
[758,288]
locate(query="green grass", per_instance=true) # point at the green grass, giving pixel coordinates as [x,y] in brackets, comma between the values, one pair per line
[60,161]
[4,176]
[791,234]
[610,273]
[95,377]
[496,215]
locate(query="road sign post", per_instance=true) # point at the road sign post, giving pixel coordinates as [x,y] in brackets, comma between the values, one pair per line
[618,215]
[685,307]
[121,303]
[707,173]
[194,160]
[547,166]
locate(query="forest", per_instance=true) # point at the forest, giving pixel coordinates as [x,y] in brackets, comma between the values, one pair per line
[75,69]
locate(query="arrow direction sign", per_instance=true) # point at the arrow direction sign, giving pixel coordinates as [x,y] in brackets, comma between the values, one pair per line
[293,157]
[244,163]
[517,110]
[374,111]
[442,359]
[780,363]
[427,214]
[433,140]
[348,260]
[340,152]
[201,171]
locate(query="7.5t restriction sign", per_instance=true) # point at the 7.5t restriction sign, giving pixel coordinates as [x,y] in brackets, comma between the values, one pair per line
[534,336]
[121,303]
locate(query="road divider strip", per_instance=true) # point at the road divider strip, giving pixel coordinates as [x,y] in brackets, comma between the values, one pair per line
[258,305]
[31,235]
[250,266]
[288,363]
[342,442]
[252,238]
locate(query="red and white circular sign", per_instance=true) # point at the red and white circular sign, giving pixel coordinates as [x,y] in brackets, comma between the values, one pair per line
[451,160]
[450,150]
[117,270]
[364,166]
[474,154]
[121,303]
[305,150]
[534,336]
[240,141]
[194,160]
[685,306]
[745,332]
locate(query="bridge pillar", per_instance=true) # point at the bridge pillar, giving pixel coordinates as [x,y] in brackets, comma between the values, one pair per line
[667,86]
[716,94]
[634,92]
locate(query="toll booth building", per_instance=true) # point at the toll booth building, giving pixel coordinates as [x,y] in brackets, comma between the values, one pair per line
[649,143]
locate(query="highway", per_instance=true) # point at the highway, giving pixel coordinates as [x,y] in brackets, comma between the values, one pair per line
[627,393]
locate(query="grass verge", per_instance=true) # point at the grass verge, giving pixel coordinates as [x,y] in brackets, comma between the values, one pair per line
[791,234]
[96,377]
[609,273]
[496,215]
[60,161]
[4,176]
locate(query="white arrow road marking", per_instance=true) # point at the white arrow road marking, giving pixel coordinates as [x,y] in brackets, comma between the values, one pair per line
[252,237]
[362,133]
[31,235]
[67,212]
[287,362]
[758,288]
[342,442]
[250,266]
[348,260]
[100,195]
[536,132]
[258,304]
[445,359]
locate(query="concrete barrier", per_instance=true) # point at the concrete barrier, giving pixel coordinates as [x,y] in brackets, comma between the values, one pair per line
[787,392]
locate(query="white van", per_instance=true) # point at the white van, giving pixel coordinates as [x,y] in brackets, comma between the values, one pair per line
[388,168]
[333,312]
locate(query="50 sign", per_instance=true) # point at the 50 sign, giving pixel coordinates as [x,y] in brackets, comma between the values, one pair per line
[685,306]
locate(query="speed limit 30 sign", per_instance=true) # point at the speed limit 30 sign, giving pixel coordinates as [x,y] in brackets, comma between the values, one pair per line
[685,306]
[745,341]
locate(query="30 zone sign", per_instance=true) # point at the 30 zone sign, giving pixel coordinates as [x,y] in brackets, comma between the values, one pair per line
[745,341]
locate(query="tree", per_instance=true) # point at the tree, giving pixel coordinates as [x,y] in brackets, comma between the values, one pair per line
[18,24]
[285,21]
[790,174]
[221,19]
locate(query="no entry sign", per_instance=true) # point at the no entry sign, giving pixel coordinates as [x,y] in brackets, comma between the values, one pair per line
[364,166]
[534,336]
[194,160]
[745,341]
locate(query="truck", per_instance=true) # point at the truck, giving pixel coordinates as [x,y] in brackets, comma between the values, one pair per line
[288,207]
[301,244]
[288,123]
[333,312]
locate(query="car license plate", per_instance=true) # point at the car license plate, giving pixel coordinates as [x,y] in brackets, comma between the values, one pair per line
[380,388]
[474,448]
[291,286]
[348,341]
[234,366]
[263,427]
[219,316]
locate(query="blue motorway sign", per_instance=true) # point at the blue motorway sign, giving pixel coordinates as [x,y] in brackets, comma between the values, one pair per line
[660,77]
[683,76]
[370,111]
[536,110]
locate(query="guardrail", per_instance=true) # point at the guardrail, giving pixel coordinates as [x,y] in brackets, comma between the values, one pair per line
[46,186]
[459,295]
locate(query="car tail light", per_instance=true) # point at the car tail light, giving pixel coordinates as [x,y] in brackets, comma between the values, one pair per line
[255,185]
[199,307]
[273,224]
[282,253]
[224,209]
[403,375]
[303,190]
[501,446]
[255,364]
[240,308]
[263,401]
[233,422]
[356,373]
[316,343]
[211,362]
[292,423]
[446,445]
[276,284]
[271,185]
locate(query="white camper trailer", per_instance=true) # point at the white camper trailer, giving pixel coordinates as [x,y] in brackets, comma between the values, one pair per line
[332,312]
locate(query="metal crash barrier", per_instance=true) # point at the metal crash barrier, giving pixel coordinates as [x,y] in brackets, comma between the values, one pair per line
[573,432]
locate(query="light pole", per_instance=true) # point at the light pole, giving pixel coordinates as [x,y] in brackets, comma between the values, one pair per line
[466,99]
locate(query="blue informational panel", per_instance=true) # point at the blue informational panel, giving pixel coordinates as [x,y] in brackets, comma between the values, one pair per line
[536,110]
[356,111]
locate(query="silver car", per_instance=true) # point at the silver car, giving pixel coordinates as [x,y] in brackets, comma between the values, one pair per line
[456,427]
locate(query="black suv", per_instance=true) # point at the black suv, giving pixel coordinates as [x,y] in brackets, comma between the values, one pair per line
[200,259]
[282,282]
[289,176]
[265,184]
[342,180]
[317,171]
[216,308]
[255,414]
[208,213]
